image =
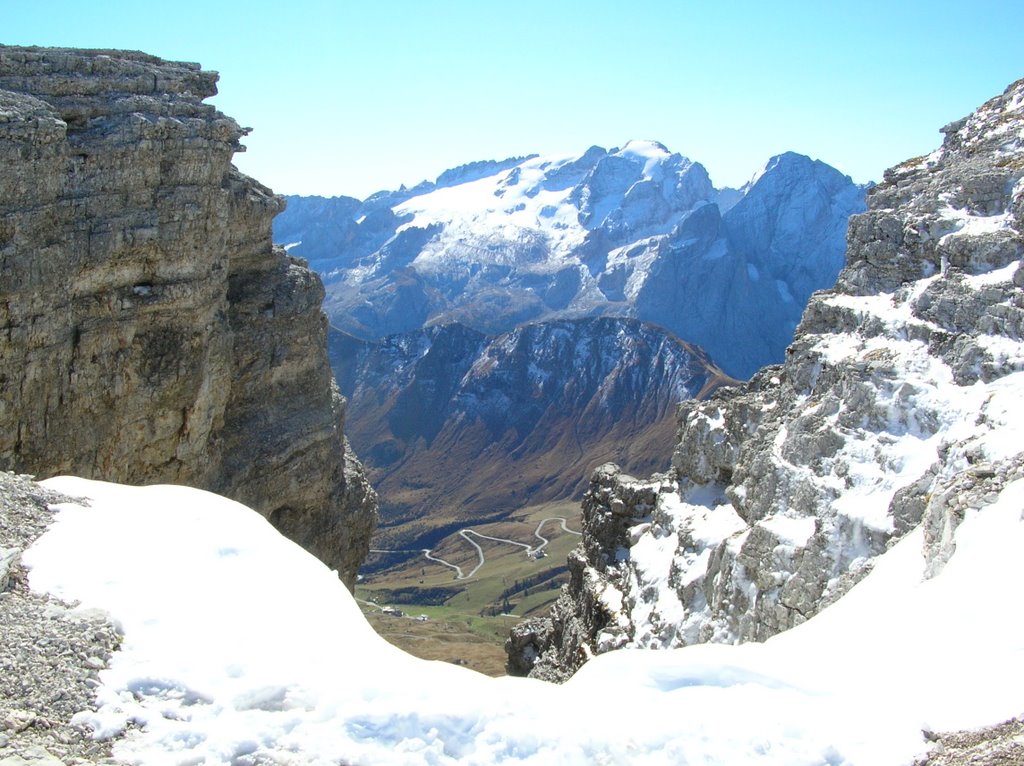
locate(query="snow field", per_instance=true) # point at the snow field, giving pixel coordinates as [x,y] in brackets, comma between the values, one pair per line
[241,648]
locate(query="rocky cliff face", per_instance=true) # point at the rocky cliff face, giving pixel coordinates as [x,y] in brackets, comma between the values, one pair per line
[637,232]
[898,405]
[456,425]
[149,330]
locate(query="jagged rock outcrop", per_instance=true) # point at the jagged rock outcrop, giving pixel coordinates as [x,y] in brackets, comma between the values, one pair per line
[457,425]
[898,405]
[149,330]
[552,647]
[637,231]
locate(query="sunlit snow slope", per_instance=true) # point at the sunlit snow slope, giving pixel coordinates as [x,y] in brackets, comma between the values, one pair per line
[241,648]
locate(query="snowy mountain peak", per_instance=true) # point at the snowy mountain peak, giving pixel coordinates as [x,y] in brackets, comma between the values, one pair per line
[497,244]
[787,164]
[474,171]
[644,148]
[786,221]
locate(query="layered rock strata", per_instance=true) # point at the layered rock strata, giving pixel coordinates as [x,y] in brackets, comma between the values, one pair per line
[149,330]
[898,405]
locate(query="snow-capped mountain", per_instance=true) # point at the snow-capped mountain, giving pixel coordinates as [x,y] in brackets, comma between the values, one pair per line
[457,425]
[638,231]
[898,414]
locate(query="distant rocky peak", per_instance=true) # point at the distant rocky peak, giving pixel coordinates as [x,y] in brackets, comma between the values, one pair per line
[790,165]
[772,163]
[639,186]
[786,221]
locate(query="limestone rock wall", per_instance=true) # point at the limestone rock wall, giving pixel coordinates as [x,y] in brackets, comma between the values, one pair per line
[149,330]
[897,409]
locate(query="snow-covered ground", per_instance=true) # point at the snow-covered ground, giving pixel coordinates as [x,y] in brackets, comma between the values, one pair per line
[241,648]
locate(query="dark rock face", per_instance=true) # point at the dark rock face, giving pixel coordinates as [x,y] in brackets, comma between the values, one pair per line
[453,423]
[150,332]
[896,412]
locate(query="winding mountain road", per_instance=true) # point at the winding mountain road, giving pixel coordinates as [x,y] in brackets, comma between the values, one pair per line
[468,534]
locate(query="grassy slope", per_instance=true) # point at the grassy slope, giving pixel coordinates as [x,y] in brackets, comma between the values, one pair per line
[458,480]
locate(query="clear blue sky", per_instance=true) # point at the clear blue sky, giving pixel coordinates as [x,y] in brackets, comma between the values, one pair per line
[351,97]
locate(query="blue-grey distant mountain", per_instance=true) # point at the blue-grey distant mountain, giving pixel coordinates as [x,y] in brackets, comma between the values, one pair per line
[638,231]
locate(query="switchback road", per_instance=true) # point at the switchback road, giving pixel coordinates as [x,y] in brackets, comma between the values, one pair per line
[468,534]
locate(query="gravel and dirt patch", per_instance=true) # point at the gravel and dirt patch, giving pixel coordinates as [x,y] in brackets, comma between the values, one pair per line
[999,745]
[50,653]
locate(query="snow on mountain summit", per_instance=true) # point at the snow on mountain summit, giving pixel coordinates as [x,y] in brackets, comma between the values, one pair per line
[617,232]
[653,154]
[534,194]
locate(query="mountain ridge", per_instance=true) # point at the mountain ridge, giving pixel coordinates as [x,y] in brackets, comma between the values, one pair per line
[455,423]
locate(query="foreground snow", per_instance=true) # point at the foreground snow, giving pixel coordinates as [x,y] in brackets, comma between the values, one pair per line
[241,648]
